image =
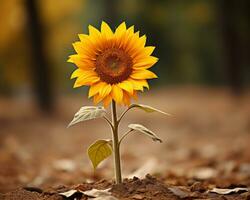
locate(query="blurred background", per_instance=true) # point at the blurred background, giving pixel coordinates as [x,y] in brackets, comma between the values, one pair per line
[204,77]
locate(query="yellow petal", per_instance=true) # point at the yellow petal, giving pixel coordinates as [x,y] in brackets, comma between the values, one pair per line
[117,93]
[95,38]
[106,30]
[126,98]
[77,73]
[72,58]
[142,41]
[86,81]
[82,63]
[88,78]
[84,50]
[78,47]
[145,63]
[130,30]
[135,96]
[126,38]
[143,74]
[94,89]
[94,34]
[93,31]
[127,86]
[89,43]
[144,53]
[120,29]
[107,100]
[145,84]
[83,37]
[119,34]
[130,47]
[105,90]
[97,99]
[139,84]
[135,84]
[148,50]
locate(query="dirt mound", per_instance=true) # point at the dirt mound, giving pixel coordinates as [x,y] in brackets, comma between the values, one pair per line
[21,194]
[148,188]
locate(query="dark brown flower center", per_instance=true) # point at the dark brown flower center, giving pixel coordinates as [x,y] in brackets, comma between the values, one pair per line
[113,66]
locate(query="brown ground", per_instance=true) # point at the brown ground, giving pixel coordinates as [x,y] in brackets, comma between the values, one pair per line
[206,145]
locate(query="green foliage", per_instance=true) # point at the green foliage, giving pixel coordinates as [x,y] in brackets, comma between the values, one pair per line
[148,109]
[87,113]
[146,131]
[99,151]
[102,149]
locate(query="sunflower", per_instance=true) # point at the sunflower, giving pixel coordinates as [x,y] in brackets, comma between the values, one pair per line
[113,64]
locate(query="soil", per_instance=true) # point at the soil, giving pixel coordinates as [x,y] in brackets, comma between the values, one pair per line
[137,189]
[206,146]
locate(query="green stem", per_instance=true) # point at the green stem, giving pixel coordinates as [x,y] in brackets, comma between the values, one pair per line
[116,148]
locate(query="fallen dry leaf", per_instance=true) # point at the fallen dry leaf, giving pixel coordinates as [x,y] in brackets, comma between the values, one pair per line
[97,193]
[92,194]
[229,191]
[179,192]
[69,193]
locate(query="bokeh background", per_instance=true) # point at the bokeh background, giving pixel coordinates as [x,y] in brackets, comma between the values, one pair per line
[198,42]
[204,77]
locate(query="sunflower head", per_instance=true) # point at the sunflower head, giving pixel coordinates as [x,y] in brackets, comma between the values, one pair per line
[113,64]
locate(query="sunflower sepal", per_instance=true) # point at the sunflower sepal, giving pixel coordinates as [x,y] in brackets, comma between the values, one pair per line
[99,151]
[88,113]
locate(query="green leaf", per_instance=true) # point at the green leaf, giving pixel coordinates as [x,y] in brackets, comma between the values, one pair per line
[87,113]
[148,109]
[143,129]
[99,151]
